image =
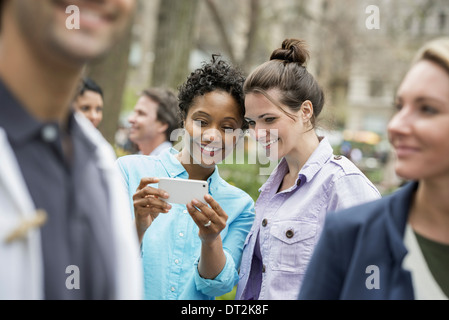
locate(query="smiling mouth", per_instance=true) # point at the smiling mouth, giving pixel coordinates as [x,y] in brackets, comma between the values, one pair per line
[210,151]
[269,143]
[404,151]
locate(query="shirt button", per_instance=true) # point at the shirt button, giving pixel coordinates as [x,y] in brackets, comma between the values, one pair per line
[176,261]
[49,133]
[264,222]
[172,289]
[181,234]
[263,268]
[337,157]
[289,234]
[185,211]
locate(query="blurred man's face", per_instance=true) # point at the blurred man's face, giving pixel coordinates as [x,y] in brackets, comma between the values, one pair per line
[144,123]
[101,23]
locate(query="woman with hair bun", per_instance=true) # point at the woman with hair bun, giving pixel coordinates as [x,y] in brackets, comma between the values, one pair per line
[282,101]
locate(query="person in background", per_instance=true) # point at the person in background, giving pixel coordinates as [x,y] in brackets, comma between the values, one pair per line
[154,118]
[283,102]
[89,101]
[193,251]
[398,247]
[65,231]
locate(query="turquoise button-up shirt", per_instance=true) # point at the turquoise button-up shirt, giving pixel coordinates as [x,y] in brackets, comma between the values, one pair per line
[171,246]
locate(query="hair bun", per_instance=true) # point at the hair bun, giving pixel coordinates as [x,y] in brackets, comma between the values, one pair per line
[293,50]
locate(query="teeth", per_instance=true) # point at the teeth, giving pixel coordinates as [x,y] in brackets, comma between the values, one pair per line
[91,15]
[210,149]
[266,144]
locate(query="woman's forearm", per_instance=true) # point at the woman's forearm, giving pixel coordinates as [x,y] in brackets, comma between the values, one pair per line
[212,259]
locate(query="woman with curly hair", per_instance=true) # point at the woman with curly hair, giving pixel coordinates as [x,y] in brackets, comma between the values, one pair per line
[193,251]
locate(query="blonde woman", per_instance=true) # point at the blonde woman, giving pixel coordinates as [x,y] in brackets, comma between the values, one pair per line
[398,247]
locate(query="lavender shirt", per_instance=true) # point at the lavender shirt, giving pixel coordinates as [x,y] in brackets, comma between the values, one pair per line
[288,224]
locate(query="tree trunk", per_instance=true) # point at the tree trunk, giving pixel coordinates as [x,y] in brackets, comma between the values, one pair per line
[214,10]
[110,74]
[174,42]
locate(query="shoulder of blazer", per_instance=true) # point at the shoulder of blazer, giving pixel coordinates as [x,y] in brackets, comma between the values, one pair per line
[385,218]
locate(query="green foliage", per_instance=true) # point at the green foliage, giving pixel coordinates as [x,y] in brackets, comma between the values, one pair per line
[229,295]
[130,98]
[244,176]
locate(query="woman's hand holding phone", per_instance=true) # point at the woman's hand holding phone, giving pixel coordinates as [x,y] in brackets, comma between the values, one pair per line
[211,220]
[148,204]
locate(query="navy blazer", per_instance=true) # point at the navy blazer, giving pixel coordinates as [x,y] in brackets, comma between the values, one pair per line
[360,252]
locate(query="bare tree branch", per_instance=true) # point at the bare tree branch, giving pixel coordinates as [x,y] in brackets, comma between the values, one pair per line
[252,32]
[221,29]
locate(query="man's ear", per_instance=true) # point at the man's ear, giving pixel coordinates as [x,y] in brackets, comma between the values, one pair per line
[163,127]
[307,111]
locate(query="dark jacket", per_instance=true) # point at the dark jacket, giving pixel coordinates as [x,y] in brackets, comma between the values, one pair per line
[360,252]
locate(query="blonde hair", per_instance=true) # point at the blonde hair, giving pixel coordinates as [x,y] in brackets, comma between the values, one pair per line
[436,51]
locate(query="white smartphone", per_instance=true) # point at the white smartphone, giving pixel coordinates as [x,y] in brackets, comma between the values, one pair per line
[183,191]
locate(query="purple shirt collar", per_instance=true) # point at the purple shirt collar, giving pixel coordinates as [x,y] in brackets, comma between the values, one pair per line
[319,157]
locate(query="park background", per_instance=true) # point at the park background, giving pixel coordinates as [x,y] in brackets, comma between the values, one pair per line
[360,51]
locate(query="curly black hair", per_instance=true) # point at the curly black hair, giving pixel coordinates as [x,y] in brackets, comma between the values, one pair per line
[212,76]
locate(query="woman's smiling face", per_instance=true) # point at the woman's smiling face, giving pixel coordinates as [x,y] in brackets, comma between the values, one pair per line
[277,129]
[419,130]
[213,127]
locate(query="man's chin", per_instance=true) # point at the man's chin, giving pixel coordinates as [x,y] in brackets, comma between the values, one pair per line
[85,53]
[82,48]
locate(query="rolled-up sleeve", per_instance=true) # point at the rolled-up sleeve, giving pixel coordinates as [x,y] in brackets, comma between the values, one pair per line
[233,248]
[221,284]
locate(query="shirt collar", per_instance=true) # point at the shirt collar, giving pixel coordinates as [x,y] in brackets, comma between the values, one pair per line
[176,170]
[19,125]
[78,131]
[315,162]
[276,176]
[160,148]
